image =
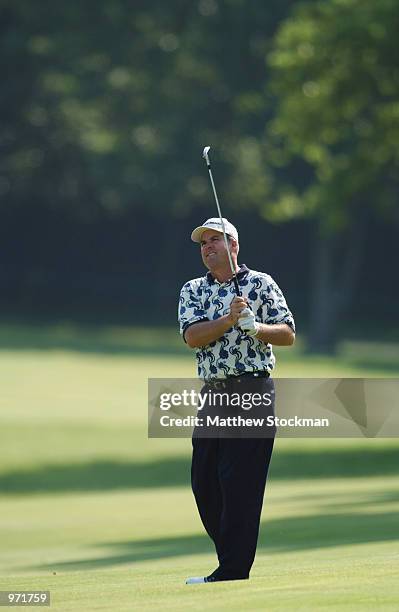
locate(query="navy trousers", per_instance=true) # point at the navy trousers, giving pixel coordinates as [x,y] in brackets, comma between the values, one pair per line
[228,477]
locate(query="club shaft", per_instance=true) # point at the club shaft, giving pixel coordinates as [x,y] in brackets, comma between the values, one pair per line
[235,280]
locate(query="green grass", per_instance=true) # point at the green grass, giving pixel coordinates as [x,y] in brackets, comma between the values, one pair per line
[103,517]
[323,545]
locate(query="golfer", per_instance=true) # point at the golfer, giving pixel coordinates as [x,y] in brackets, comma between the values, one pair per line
[233,337]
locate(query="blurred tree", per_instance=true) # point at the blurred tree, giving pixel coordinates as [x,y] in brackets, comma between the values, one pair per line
[335,134]
[112,112]
[106,106]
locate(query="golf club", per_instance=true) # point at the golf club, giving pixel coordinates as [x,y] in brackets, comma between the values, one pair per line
[205,155]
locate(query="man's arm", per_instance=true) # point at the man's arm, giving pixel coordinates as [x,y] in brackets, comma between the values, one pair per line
[279,326]
[279,334]
[205,332]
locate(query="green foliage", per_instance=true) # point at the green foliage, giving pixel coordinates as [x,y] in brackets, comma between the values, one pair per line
[335,77]
[108,104]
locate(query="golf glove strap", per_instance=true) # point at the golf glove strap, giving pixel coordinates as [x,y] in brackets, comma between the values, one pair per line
[247,322]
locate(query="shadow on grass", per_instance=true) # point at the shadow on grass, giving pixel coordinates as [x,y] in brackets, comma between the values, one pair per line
[277,536]
[389,367]
[144,340]
[171,472]
[111,340]
[98,476]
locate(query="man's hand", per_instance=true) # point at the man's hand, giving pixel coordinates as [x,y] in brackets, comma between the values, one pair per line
[236,308]
[247,322]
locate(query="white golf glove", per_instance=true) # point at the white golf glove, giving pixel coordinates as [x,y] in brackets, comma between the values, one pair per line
[247,322]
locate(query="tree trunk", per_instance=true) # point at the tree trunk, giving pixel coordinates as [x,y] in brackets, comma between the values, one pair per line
[323,312]
[336,264]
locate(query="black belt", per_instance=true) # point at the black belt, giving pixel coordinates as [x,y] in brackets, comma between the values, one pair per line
[222,383]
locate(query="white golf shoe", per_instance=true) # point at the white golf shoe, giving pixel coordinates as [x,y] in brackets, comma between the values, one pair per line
[196,580]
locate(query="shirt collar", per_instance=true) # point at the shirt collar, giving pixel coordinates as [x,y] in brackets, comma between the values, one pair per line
[242,272]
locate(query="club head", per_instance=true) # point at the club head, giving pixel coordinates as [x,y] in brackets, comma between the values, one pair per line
[205,153]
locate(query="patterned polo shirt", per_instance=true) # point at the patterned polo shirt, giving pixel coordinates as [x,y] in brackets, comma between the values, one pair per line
[206,299]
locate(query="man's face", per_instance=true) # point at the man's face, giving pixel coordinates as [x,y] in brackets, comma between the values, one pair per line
[213,249]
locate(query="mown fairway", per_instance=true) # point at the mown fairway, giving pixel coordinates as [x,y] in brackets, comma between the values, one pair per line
[104,518]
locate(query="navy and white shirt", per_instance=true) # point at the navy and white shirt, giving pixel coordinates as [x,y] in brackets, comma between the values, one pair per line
[206,299]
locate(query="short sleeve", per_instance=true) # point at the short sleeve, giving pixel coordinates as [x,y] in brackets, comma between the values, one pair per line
[275,307]
[190,308]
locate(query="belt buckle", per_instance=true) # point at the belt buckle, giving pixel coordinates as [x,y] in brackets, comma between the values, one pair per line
[219,384]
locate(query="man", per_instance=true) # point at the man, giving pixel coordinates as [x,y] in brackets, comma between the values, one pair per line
[233,339]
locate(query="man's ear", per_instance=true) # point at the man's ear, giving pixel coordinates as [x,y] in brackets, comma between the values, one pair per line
[235,247]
